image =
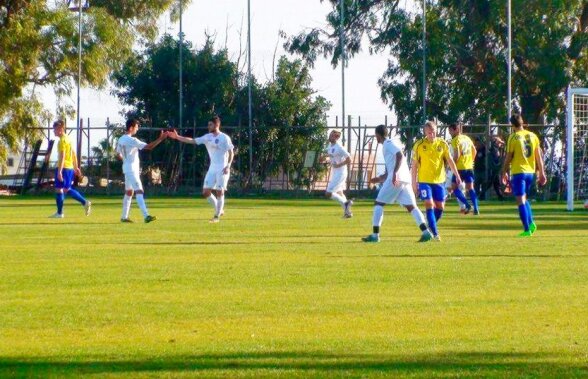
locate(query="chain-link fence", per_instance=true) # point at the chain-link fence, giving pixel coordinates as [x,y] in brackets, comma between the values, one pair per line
[288,158]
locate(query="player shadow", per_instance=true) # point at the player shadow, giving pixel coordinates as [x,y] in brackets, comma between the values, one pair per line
[513,226]
[194,243]
[458,364]
[459,256]
[59,223]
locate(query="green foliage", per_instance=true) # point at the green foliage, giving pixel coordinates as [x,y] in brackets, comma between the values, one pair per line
[288,118]
[39,47]
[466,49]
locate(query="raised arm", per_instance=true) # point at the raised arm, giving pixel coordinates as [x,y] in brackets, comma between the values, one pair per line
[153,144]
[174,135]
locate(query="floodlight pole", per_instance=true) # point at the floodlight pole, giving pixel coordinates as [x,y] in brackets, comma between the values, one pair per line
[78,121]
[509,65]
[181,90]
[249,97]
[343,61]
[424,43]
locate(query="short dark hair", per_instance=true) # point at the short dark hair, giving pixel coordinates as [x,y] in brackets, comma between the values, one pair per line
[132,122]
[382,131]
[59,124]
[517,120]
[215,120]
[454,126]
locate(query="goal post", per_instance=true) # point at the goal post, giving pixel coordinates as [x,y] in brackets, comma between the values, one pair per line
[576,145]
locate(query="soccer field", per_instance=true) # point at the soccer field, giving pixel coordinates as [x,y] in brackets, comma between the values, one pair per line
[286,288]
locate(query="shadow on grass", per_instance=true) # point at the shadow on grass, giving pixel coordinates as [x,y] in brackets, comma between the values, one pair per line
[475,364]
[196,243]
[569,226]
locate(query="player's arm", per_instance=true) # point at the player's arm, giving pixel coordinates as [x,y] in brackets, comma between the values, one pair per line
[346,162]
[456,152]
[379,179]
[399,158]
[506,167]
[451,163]
[163,135]
[227,169]
[414,170]
[174,135]
[474,152]
[540,165]
[60,164]
[74,159]
[119,155]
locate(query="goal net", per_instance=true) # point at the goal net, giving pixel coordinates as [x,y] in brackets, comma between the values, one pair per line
[577,145]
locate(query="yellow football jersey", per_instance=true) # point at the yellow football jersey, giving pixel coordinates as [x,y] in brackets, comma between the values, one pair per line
[463,144]
[64,147]
[431,157]
[522,145]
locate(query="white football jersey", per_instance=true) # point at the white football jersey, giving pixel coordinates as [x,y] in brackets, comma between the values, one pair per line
[337,154]
[218,148]
[129,147]
[389,149]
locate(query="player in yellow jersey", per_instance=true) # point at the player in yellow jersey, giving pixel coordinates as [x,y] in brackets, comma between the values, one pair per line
[67,166]
[464,153]
[523,158]
[430,156]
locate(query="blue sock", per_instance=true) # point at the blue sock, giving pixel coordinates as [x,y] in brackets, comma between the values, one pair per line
[432,221]
[524,216]
[76,196]
[59,197]
[529,212]
[457,192]
[474,198]
[438,214]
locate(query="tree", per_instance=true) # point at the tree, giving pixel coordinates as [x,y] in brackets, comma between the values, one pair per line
[288,118]
[39,47]
[466,50]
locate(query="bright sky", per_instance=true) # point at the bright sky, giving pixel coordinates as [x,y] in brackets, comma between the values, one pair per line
[224,19]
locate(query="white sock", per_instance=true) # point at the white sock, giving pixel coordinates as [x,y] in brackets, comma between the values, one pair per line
[212,200]
[141,202]
[338,198]
[418,216]
[127,200]
[220,204]
[378,215]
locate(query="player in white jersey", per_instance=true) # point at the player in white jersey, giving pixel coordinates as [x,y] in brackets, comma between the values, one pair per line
[220,151]
[396,187]
[339,159]
[128,148]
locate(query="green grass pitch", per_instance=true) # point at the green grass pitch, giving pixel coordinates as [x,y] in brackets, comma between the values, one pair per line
[286,288]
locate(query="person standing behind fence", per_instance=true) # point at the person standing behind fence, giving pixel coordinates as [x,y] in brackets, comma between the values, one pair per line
[496,155]
[339,159]
[464,153]
[523,158]
[128,148]
[480,184]
[430,157]
[67,167]
[220,151]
